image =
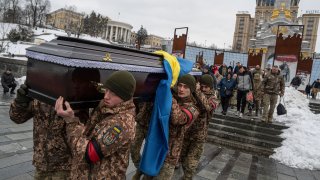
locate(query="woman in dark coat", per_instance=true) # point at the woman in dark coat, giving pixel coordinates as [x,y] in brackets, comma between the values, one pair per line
[226,86]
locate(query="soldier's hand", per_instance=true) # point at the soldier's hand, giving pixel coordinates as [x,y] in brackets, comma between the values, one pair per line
[68,113]
[22,98]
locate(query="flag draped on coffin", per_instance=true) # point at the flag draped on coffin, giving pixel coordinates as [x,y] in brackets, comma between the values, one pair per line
[156,144]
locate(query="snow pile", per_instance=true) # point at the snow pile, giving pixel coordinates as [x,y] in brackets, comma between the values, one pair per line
[301,147]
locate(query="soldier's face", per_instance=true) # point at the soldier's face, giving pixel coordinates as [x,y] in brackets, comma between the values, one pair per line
[204,88]
[274,69]
[111,99]
[183,90]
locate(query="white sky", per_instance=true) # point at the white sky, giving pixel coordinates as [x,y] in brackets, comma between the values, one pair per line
[209,21]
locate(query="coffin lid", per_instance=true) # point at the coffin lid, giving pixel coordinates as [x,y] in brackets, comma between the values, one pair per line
[76,52]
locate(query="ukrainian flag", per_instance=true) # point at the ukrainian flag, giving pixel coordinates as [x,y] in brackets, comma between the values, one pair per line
[156,144]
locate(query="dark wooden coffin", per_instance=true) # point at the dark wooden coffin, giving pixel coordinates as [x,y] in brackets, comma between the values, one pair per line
[72,68]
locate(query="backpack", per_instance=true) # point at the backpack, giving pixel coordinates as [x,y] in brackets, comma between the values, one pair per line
[281,109]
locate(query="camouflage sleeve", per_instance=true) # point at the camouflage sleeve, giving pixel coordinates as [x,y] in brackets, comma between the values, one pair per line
[111,136]
[144,114]
[183,115]
[108,137]
[264,81]
[20,114]
[207,103]
[76,139]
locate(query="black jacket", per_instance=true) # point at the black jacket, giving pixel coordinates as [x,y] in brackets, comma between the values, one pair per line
[7,79]
[296,81]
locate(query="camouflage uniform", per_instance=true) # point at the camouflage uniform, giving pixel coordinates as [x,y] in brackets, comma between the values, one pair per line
[273,86]
[196,135]
[233,99]
[142,119]
[257,88]
[109,133]
[52,155]
[183,114]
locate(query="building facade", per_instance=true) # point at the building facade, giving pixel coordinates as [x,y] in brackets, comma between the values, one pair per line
[64,19]
[311,24]
[154,41]
[118,32]
[247,27]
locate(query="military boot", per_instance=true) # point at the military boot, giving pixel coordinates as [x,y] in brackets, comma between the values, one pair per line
[137,175]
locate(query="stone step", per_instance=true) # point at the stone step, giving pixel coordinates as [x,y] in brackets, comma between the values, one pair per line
[315,111]
[254,121]
[247,148]
[245,132]
[246,126]
[244,139]
[314,107]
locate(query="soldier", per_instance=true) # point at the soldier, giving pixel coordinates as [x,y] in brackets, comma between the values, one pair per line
[183,113]
[257,88]
[142,125]
[51,156]
[101,148]
[196,135]
[273,86]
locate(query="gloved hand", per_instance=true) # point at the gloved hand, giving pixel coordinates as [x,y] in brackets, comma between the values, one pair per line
[22,98]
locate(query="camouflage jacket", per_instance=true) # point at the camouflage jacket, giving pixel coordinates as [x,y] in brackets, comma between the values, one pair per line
[257,84]
[182,116]
[198,131]
[101,148]
[144,114]
[273,84]
[51,152]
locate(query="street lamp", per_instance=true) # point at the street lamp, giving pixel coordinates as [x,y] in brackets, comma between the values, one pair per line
[205,43]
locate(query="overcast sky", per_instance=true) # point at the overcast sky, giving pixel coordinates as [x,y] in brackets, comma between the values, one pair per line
[209,21]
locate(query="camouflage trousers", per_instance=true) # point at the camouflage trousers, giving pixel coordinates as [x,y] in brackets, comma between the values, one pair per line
[166,172]
[269,104]
[55,175]
[190,157]
[233,99]
[141,133]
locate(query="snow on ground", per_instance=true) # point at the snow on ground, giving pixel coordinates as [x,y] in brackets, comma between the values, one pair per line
[18,48]
[301,147]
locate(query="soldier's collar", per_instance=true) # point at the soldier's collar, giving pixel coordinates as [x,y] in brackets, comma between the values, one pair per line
[114,110]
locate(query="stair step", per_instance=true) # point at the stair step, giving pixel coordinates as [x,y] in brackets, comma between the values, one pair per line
[255,121]
[240,146]
[240,125]
[245,132]
[244,139]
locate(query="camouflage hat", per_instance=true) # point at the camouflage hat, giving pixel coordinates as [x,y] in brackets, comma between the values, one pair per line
[122,83]
[207,80]
[189,80]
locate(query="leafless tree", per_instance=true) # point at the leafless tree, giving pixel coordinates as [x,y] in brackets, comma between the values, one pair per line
[39,9]
[15,8]
[4,30]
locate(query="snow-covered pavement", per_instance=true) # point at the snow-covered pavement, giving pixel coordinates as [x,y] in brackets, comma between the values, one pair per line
[301,147]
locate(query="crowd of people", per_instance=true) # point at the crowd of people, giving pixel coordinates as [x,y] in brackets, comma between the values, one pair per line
[254,90]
